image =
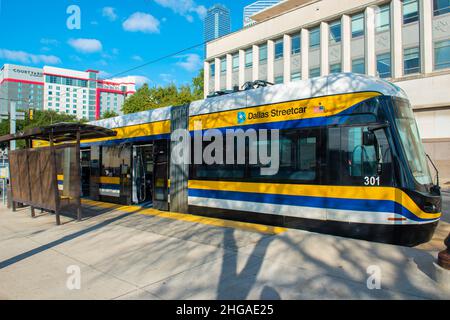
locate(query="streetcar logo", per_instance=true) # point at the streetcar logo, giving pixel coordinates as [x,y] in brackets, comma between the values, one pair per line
[241,117]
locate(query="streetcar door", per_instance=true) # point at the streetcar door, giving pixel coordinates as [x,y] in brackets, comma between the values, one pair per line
[142,174]
[161,175]
[86,173]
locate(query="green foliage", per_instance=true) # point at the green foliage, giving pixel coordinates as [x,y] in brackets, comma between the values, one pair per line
[40,119]
[147,98]
[109,114]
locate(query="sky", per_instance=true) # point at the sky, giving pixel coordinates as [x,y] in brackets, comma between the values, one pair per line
[111,36]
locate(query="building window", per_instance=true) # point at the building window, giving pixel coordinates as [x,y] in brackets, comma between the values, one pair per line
[358,66]
[383,18]
[441,7]
[410,11]
[223,66]
[335,32]
[212,68]
[411,60]
[358,25]
[263,53]
[314,72]
[279,47]
[248,58]
[442,54]
[279,79]
[384,65]
[296,76]
[295,43]
[314,38]
[235,61]
[335,68]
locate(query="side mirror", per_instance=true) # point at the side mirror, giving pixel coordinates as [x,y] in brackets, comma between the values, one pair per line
[369,138]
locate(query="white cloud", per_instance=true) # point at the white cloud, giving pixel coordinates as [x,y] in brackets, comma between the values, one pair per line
[137,58]
[49,42]
[103,74]
[25,57]
[141,22]
[138,80]
[167,77]
[86,45]
[75,58]
[110,13]
[184,8]
[141,80]
[190,62]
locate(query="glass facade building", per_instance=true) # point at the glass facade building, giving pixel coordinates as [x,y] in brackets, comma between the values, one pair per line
[217,22]
[255,8]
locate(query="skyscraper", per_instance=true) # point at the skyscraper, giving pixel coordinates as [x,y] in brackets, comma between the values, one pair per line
[256,7]
[217,22]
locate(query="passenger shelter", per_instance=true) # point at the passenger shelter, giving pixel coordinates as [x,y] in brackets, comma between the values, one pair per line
[48,177]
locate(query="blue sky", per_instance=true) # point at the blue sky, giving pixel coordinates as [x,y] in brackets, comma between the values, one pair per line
[115,35]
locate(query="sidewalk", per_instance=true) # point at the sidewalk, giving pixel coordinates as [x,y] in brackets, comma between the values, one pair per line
[126,255]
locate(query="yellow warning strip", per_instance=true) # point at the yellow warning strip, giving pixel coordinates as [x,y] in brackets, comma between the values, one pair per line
[253,227]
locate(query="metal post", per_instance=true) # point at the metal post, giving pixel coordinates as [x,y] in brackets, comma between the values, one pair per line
[4,191]
[78,171]
[13,124]
[55,179]
[30,194]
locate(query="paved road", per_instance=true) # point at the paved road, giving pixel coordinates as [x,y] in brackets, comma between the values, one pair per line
[123,254]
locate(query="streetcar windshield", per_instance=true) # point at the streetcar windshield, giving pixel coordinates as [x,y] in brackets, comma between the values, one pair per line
[412,145]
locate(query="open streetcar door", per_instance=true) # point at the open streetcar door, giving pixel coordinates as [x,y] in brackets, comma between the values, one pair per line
[161,175]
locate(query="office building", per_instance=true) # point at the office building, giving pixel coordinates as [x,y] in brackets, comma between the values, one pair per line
[79,93]
[406,42]
[217,22]
[255,8]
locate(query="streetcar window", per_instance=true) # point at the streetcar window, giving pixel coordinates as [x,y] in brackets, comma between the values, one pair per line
[113,159]
[298,157]
[361,160]
[412,144]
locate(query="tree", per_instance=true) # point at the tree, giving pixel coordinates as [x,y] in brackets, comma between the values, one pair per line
[109,114]
[147,98]
[139,101]
[198,83]
[41,118]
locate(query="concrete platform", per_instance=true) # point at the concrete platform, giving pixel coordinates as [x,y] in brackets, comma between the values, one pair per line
[128,253]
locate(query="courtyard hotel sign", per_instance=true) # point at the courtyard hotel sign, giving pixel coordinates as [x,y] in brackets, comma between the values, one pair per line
[30,73]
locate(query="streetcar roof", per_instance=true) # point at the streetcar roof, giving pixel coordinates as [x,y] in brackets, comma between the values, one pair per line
[334,84]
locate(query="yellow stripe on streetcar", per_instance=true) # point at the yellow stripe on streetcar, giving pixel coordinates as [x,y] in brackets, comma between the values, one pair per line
[340,192]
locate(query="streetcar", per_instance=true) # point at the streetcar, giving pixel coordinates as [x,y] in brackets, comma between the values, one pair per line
[351,161]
